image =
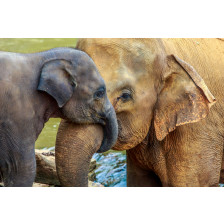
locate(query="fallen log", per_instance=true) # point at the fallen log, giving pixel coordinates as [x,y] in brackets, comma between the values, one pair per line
[46,175]
[46,169]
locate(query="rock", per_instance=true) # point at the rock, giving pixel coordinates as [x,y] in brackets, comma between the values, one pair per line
[92,167]
[94,184]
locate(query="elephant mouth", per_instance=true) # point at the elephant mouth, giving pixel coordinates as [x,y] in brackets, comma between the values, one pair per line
[119,127]
[120,139]
[98,119]
[126,139]
[102,121]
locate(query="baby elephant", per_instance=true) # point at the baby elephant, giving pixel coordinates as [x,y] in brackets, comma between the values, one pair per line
[62,82]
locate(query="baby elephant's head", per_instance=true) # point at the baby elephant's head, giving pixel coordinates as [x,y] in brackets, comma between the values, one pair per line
[75,83]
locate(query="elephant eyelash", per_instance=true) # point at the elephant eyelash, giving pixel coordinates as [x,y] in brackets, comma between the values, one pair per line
[100,93]
[126,95]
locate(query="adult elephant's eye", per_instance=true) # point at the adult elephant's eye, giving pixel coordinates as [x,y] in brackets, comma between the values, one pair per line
[126,96]
[99,93]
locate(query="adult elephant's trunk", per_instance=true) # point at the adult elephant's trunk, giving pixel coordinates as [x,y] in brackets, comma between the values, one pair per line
[75,146]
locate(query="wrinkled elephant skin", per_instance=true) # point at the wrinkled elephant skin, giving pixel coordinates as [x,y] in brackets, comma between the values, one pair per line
[163,92]
[62,82]
[73,152]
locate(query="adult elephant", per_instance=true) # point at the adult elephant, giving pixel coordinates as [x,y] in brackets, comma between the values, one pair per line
[61,82]
[160,99]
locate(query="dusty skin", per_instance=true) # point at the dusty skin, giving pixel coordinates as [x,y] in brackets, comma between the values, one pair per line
[164,93]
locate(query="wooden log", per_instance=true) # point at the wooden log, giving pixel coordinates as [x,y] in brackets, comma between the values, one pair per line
[46,175]
[46,169]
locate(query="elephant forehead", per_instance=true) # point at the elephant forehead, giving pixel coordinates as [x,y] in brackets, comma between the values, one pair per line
[89,76]
[114,54]
[131,48]
[122,61]
[90,85]
[127,44]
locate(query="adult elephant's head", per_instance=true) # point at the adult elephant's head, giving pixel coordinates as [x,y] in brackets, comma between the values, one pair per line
[148,89]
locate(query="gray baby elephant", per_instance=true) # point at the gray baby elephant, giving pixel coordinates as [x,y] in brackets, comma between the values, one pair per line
[62,82]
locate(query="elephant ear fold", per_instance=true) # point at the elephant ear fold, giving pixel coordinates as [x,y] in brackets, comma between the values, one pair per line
[184,97]
[57,81]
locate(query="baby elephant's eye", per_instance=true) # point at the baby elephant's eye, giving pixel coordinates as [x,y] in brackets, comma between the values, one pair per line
[99,93]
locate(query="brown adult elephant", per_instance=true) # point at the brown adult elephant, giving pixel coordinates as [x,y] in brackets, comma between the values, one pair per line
[158,93]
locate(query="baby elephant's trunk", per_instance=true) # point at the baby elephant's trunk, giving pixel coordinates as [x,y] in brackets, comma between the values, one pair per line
[110,130]
[75,146]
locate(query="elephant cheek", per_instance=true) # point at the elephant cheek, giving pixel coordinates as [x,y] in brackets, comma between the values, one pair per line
[132,131]
[75,146]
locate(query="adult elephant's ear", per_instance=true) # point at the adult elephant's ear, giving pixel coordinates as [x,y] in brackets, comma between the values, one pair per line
[57,81]
[184,97]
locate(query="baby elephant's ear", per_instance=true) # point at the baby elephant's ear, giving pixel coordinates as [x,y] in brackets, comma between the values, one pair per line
[184,98]
[57,81]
